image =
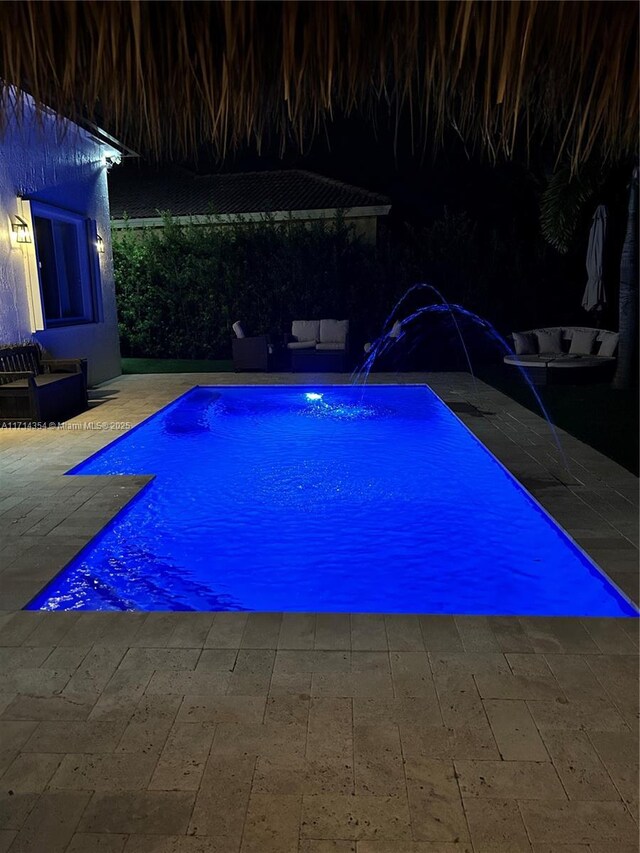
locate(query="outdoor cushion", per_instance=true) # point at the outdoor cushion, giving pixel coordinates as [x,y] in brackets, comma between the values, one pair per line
[334,331]
[237,328]
[582,341]
[301,345]
[528,360]
[550,342]
[330,345]
[579,361]
[524,343]
[608,344]
[306,330]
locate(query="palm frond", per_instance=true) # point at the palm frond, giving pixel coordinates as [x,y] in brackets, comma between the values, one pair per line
[563,202]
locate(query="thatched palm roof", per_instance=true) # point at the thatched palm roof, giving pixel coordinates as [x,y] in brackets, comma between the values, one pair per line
[166,77]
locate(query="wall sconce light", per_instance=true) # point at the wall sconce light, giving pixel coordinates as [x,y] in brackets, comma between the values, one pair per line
[20,229]
[99,244]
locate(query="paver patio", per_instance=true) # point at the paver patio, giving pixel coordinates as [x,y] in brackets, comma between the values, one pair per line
[303,733]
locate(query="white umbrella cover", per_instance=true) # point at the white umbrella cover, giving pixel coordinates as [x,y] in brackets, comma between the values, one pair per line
[594,295]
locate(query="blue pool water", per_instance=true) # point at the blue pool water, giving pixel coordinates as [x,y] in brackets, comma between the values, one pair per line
[324,499]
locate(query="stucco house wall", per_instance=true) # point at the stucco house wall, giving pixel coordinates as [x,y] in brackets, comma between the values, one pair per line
[45,159]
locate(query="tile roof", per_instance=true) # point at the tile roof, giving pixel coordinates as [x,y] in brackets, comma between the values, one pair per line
[182,193]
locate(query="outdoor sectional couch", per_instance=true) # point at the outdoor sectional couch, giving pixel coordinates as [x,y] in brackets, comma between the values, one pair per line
[564,354]
[318,345]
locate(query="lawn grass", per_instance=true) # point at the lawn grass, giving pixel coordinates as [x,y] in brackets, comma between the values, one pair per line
[602,417]
[175,365]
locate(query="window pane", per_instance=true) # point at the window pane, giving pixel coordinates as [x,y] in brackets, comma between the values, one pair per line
[64,279]
[47,265]
[69,282]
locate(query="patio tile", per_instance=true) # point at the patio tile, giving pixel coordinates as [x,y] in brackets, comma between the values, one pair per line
[515,732]
[283,683]
[505,780]
[330,730]
[51,823]
[510,635]
[96,670]
[610,636]
[333,816]
[333,631]
[308,845]
[216,660]
[226,631]
[368,633]
[26,657]
[272,824]
[144,738]
[420,742]
[298,775]
[261,631]
[574,676]
[49,708]
[589,714]
[99,772]
[183,758]
[371,846]
[83,736]
[191,631]
[6,839]
[476,633]
[142,659]
[162,812]
[312,661]
[379,769]
[558,636]
[440,633]
[201,683]
[460,701]
[252,673]
[496,822]
[251,740]
[15,808]
[29,773]
[156,630]
[411,710]
[221,804]
[297,631]
[178,844]
[19,626]
[411,674]
[574,821]
[404,634]
[434,802]
[90,842]
[221,709]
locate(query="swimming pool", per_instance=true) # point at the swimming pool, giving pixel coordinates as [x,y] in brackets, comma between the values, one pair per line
[324,499]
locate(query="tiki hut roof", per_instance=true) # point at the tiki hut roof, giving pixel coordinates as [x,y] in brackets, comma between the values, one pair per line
[166,77]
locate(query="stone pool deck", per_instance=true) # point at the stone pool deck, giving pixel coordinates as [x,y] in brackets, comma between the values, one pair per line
[303,733]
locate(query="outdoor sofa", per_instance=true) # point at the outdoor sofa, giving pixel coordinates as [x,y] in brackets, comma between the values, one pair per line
[564,354]
[318,345]
[36,389]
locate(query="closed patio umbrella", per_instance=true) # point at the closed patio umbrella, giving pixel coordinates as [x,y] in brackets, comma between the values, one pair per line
[594,296]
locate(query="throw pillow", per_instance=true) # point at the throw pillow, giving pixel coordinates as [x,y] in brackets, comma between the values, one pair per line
[582,342]
[609,345]
[550,341]
[524,343]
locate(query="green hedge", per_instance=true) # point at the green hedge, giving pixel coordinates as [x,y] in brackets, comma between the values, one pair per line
[181,287]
